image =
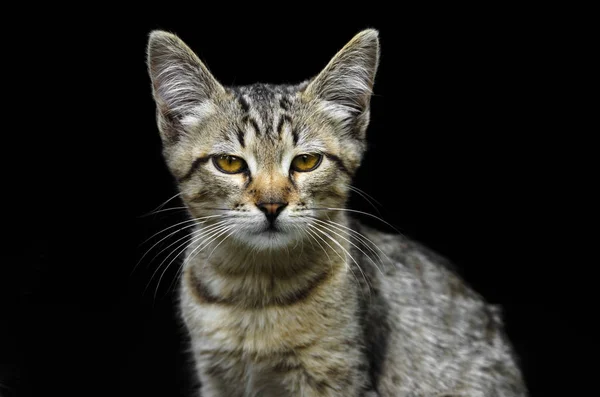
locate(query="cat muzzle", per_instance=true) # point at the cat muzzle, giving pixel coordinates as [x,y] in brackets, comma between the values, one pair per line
[271,210]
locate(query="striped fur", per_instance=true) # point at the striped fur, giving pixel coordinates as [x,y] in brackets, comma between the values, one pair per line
[312,303]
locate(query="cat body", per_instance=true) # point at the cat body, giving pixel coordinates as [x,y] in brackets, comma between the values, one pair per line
[283,293]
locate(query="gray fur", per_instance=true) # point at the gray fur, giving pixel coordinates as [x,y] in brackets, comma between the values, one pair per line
[322,306]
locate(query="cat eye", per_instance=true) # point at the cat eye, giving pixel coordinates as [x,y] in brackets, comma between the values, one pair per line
[306,162]
[229,164]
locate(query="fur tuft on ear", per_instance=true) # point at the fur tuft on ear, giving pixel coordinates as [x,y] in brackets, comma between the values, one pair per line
[182,86]
[347,81]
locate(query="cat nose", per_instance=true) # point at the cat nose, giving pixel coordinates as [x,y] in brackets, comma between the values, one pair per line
[271,210]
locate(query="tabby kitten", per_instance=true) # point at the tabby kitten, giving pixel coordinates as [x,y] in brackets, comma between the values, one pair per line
[283,294]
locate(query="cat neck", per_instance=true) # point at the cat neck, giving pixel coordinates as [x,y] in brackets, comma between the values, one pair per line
[230,272]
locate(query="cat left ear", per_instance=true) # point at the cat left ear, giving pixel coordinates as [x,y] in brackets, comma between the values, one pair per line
[181,84]
[347,81]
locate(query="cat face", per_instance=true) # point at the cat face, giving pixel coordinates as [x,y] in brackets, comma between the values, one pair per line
[262,158]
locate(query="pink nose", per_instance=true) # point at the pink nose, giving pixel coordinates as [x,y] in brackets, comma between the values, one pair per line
[271,210]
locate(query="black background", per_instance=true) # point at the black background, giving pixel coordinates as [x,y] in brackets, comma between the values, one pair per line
[452,161]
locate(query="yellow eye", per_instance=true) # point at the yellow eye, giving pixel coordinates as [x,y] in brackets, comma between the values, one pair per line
[306,162]
[229,164]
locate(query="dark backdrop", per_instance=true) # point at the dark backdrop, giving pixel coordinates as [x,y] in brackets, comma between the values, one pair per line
[449,162]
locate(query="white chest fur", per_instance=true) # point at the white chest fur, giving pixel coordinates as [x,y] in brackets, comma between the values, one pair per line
[262,330]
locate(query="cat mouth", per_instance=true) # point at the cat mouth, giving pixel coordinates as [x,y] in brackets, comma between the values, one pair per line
[272,229]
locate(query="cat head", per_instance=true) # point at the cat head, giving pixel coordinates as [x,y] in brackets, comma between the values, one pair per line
[265,158]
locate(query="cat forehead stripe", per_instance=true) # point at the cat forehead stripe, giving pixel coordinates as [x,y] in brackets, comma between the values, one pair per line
[243,103]
[240,137]
[284,103]
[195,165]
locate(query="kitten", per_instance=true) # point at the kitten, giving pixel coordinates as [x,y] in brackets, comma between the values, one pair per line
[283,293]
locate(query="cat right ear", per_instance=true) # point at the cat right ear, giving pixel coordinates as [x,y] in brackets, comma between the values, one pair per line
[181,85]
[348,78]
[347,81]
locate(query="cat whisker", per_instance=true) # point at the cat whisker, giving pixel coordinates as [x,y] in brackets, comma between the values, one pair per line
[155,244]
[314,233]
[368,244]
[212,231]
[310,233]
[221,242]
[363,239]
[163,204]
[163,210]
[199,236]
[341,246]
[181,267]
[196,220]
[365,196]
[358,212]
[297,241]
[348,266]
[191,238]
[212,237]
[327,227]
[357,190]
[304,231]
[347,253]
[300,240]
[191,222]
[176,241]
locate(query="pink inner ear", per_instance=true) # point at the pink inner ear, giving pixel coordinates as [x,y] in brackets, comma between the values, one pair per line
[180,80]
[348,78]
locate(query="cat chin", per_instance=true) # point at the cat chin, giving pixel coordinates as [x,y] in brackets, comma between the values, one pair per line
[268,239]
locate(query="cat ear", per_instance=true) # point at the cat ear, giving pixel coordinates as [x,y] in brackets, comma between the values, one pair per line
[182,86]
[347,81]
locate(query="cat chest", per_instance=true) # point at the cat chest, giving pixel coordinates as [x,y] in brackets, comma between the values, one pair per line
[264,330]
